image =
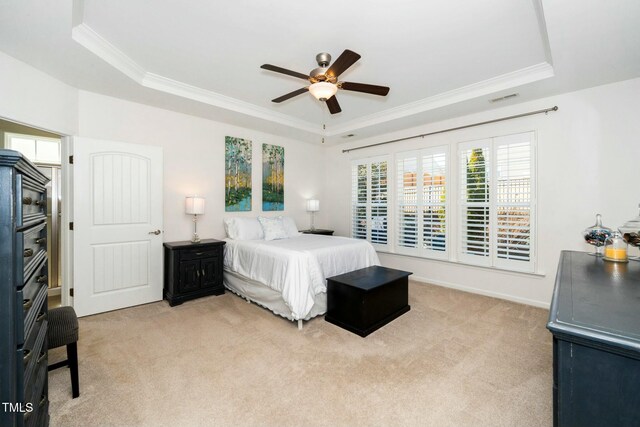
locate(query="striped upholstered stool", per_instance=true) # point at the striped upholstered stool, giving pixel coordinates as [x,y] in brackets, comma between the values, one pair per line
[63,330]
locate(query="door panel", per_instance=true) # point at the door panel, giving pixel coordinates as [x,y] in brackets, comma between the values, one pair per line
[209,270]
[189,276]
[117,205]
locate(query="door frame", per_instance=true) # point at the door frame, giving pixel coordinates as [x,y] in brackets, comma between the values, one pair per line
[66,238]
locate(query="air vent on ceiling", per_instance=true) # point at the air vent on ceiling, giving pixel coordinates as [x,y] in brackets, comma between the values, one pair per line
[504,98]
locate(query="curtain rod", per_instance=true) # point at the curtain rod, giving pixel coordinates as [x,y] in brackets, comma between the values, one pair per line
[531,113]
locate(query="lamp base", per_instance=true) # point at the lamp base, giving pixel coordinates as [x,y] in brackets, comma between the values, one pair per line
[195,238]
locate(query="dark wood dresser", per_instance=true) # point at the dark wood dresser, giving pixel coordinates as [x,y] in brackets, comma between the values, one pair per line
[595,322]
[192,270]
[23,293]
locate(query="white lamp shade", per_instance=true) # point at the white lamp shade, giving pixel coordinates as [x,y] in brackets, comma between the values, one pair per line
[313,205]
[323,90]
[194,205]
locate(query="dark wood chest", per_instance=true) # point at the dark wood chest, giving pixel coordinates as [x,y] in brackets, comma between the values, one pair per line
[192,270]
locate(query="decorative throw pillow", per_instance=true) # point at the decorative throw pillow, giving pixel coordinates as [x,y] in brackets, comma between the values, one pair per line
[273,228]
[290,226]
[240,228]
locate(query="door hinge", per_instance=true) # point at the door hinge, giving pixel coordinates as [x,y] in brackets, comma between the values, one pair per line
[70,292]
[71,226]
[70,160]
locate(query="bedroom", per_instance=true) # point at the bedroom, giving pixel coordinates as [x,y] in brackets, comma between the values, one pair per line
[441,350]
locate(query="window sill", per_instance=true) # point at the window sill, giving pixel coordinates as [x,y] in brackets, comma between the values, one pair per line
[466,264]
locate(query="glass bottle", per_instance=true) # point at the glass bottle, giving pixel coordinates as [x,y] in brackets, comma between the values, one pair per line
[615,248]
[597,235]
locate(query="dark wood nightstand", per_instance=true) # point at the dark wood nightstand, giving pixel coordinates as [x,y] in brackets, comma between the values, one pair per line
[192,270]
[318,231]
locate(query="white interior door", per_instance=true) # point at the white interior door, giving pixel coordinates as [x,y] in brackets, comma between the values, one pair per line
[117,241]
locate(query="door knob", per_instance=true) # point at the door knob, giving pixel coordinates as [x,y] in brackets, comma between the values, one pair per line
[155,232]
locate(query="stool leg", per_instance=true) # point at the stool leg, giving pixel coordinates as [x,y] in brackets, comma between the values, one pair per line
[72,355]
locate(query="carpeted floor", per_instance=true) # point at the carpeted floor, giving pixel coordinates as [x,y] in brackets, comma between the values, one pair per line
[456,359]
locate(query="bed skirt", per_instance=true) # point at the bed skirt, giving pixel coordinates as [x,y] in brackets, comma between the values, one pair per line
[268,298]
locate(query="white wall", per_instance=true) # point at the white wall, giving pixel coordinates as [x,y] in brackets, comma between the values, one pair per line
[587,163]
[36,99]
[194,161]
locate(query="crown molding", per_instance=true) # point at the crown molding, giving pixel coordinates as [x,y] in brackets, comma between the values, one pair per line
[507,81]
[102,48]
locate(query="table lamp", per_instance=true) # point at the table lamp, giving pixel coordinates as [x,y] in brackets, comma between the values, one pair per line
[313,206]
[194,205]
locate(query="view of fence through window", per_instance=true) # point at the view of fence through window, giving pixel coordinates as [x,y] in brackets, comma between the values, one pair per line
[428,212]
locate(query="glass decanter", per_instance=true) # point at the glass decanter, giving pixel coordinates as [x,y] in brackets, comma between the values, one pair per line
[631,231]
[597,235]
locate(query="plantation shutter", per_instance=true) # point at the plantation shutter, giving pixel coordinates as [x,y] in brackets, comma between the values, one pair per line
[513,201]
[421,202]
[434,171]
[379,195]
[407,202]
[475,209]
[370,193]
[359,201]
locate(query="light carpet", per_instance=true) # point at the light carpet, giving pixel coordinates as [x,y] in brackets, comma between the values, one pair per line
[455,359]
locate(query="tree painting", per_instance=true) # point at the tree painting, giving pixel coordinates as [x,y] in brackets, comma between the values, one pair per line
[272,177]
[237,195]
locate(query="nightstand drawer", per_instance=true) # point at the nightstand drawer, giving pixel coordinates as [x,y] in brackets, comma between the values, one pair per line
[188,254]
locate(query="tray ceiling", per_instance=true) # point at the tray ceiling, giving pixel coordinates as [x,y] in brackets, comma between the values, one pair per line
[203,57]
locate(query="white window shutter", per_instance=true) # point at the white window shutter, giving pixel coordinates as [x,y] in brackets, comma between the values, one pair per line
[407,202]
[475,207]
[513,201]
[370,194]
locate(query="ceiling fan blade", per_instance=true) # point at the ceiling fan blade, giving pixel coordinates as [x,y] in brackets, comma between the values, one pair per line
[291,95]
[333,105]
[361,87]
[344,61]
[284,71]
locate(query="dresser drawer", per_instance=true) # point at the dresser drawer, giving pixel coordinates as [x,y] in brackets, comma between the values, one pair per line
[32,244]
[33,360]
[188,254]
[33,346]
[33,207]
[31,298]
[37,394]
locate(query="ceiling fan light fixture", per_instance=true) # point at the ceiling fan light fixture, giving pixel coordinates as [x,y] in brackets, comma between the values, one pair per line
[323,90]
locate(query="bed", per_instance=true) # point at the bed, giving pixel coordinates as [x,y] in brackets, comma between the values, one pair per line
[288,276]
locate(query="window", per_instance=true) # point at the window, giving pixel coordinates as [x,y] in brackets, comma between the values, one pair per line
[493,222]
[369,201]
[35,148]
[421,202]
[496,203]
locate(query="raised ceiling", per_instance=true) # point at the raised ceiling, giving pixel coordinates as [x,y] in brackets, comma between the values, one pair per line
[440,58]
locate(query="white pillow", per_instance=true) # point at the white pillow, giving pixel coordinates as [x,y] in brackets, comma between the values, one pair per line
[240,228]
[290,226]
[273,228]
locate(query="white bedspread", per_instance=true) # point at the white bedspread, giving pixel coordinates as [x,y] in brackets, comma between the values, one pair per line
[298,267]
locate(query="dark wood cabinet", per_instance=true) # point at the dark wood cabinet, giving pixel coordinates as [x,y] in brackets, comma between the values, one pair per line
[318,231]
[595,322]
[23,293]
[192,270]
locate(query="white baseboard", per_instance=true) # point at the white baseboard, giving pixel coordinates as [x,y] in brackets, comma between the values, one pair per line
[540,304]
[54,291]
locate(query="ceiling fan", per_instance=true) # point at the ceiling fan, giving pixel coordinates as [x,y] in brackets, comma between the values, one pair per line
[324,80]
